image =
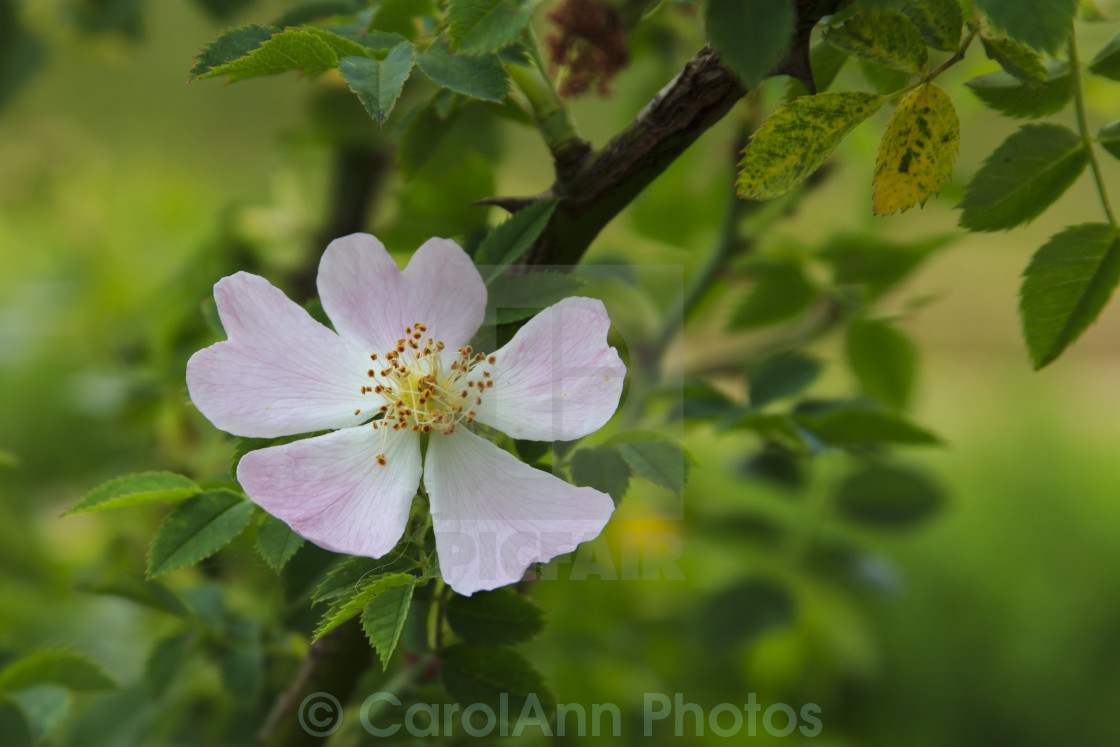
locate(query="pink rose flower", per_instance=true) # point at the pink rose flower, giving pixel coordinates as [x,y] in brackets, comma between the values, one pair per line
[401,355]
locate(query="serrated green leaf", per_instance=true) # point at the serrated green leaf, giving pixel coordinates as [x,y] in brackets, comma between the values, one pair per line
[501,617]
[132,490]
[383,618]
[509,240]
[348,577]
[1109,138]
[883,361]
[1023,177]
[308,49]
[68,669]
[1011,96]
[795,140]
[1065,287]
[346,607]
[886,38]
[917,151]
[197,529]
[750,35]
[602,468]
[230,45]
[662,462]
[44,707]
[484,26]
[165,662]
[874,263]
[940,22]
[782,292]
[1106,62]
[781,376]
[1041,24]
[888,497]
[151,594]
[277,543]
[483,675]
[378,84]
[481,77]
[845,427]
[1017,60]
[512,299]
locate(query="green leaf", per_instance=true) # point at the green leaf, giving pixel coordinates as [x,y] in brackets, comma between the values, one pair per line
[401,16]
[888,497]
[44,707]
[230,45]
[1109,138]
[883,361]
[747,610]
[662,462]
[750,35]
[481,77]
[886,38]
[1011,96]
[781,376]
[495,618]
[421,133]
[779,428]
[512,299]
[782,292]
[165,662]
[348,577]
[308,49]
[384,616]
[917,151]
[861,427]
[132,490]
[277,543]
[346,607]
[1107,61]
[508,241]
[69,669]
[197,529]
[795,140]
[151,594]
[483,675]
[1023,177]
[378,84]
[1017,60]
[884,80]
[484,26]
[14,724]
[602,468]
[1041,24]
[874,263]
[940,22]
[1065,287]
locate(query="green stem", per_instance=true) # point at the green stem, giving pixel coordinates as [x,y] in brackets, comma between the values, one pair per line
[549,110]
[1083,128]
[957,56]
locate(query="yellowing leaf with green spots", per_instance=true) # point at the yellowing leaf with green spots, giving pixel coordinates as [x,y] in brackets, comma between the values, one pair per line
[795,140]
[917,151]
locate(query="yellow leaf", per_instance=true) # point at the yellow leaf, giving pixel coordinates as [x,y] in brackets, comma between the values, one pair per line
[917,151]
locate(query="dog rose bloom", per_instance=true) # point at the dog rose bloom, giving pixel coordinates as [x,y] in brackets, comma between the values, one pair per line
[401,355]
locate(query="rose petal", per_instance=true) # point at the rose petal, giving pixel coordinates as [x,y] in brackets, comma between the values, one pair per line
[281,372]
[494,515]
[557,379]
[331,490]
[370,300]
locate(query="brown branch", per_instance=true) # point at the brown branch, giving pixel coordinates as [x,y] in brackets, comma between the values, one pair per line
[698,97]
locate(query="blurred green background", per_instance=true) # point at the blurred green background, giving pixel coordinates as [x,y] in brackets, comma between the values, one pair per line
[124,194]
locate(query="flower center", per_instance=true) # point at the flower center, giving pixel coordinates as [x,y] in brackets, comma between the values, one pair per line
[425,388]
